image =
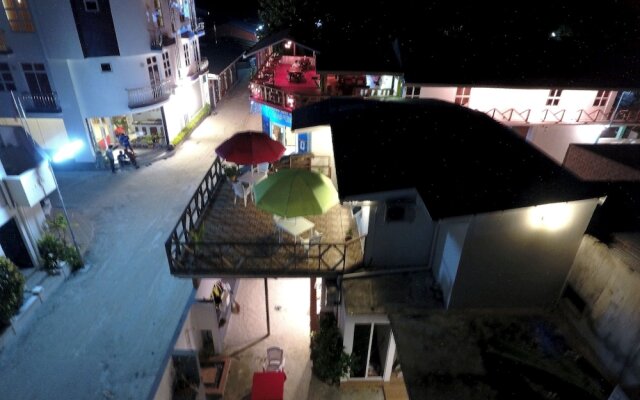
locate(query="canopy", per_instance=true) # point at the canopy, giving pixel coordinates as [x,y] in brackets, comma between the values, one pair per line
[295,193]
[250,147]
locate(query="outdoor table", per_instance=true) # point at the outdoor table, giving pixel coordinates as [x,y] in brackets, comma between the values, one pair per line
[268,385]
[252,177]
[295,226]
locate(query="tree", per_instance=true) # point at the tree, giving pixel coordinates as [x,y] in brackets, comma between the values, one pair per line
[330,362]
[11,289]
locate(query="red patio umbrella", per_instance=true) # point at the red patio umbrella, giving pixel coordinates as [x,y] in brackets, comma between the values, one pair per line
[250,147]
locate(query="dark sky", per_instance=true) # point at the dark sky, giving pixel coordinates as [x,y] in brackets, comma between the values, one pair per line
[239,9]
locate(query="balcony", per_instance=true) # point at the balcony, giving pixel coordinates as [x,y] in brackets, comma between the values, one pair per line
[199,28]
[160,41]
[40,103]
[215,237]
[203,66]
[30,186]
[553,116]
[150,95]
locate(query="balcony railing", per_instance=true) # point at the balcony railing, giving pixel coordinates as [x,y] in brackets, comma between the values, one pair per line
[199,28]
[281,98]
[149,95]
[192,248]
[40,103]
[582,116]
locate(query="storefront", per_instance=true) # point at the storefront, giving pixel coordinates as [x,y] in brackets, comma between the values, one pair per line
[278,124]
[145,129]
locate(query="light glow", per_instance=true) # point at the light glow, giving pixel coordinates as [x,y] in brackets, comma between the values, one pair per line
[551,217]
[68,151]
[288,44]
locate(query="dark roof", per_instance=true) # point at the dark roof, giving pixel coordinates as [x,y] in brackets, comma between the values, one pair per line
[222,54]
[275,38]
[461,161]
[604,162]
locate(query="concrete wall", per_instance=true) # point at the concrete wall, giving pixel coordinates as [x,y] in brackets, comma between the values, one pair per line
[608,280]
[447,252]
[398,243]
[554,140]
[510,260]
[165,387]
[57,29]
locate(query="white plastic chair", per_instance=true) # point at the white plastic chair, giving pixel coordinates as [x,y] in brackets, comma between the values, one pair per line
[314,239]
[275,359]
[240,191]
[262,168]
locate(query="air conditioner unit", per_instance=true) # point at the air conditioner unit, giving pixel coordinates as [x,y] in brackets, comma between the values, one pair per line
[400,210]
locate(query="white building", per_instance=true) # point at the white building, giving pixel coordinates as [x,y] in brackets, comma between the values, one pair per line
[26,183]
[86,68]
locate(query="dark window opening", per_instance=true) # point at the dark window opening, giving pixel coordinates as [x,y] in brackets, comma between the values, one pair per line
[105,67]
[574,298]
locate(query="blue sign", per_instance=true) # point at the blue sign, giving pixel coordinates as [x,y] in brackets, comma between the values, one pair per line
[303,143]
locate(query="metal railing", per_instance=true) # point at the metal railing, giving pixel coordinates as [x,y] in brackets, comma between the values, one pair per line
[268,258]
[582,116]
[189,256]
[42,102]
[149,95]
[282,98]
[190,219]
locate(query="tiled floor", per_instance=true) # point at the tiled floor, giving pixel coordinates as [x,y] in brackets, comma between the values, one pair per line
[244,241]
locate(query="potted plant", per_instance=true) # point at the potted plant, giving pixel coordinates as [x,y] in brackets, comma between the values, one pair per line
[330,362]
[52,250]
[231,172]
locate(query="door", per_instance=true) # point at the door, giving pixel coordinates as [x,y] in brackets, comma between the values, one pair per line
[13,245]
[371,346]
[154,76]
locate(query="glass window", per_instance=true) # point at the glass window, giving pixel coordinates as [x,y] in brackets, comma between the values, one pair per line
[166,63]
[37,79]
[187,60]
[91,6]
[6,79]
[413,92]
[462,96]
[3,42]
[18,15]
[601,98]
[554,97]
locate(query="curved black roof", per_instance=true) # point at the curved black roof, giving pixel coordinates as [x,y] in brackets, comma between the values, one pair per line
[461,161]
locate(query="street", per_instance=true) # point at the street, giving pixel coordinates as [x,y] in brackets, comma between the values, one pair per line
[106,332]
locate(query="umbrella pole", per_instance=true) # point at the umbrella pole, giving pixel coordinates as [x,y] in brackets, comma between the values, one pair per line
[266,303]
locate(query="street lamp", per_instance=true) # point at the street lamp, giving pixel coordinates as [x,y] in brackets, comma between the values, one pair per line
[66,152]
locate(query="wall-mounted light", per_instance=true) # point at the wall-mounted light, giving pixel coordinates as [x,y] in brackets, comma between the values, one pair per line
[290,101]
[551,217]
[287,45]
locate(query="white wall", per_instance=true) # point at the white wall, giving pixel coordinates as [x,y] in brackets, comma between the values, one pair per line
[507,261]
[182,107]
[397,244]
[54,22]
[554,140]
[130,23]
[485,99]
[321,144]
[165,387]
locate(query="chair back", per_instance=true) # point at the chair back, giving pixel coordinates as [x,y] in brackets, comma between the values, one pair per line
[274,355]
[238,189]
[262,167]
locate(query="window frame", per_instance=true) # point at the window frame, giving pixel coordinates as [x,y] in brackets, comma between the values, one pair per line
[187,59]
[22,20]
[166,64]
[412,92]
[463,94]
[7,85]
[553,98]
[602,98]
[97,10]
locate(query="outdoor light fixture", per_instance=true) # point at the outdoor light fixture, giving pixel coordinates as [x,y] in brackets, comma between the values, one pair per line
[290,101]
[551,217]
[287,45]
[68,151]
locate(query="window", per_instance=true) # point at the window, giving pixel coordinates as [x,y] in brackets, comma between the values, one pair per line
[154,74]
[187,61]
[91,6]
[413,92]
[36,77]
[105,67]
[157,14]
[601,98]
[18,15]
[462,96]
[166,64]
[195,52]
[6,79]
[554,97]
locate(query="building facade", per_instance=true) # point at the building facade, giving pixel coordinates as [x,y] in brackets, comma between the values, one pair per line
[90,69]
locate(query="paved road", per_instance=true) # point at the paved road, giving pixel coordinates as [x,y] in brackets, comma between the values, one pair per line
[105,333]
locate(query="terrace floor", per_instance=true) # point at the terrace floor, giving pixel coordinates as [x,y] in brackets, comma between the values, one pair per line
[243,242]
[308,86]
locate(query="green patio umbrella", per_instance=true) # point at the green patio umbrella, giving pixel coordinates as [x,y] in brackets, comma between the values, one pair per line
[296,193]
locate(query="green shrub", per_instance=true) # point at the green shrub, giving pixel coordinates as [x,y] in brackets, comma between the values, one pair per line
[191,125]
[330,362]
[72,257]
[11,289]
[51,250]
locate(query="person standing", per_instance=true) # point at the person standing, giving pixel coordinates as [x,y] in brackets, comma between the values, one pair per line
[132,157]
[109,153]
